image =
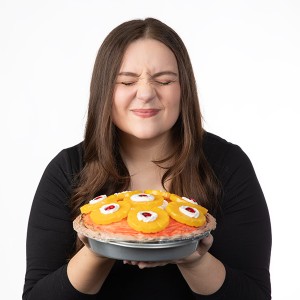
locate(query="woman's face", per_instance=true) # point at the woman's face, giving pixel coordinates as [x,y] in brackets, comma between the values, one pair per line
[146,101]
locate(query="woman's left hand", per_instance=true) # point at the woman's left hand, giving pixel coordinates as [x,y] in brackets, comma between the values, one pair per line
[189,261]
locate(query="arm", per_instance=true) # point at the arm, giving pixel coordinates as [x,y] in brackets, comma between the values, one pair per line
[51,238]
[194,270]
[87,271]
[242,240]
[237,264]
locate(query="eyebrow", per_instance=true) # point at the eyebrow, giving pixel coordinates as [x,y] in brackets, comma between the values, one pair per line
[164,73]
[131,74]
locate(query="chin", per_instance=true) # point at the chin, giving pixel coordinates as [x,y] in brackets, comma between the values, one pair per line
[145,133]
[150,136]
[146,136]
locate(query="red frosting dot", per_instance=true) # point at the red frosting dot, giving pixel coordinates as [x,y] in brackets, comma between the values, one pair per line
[110,207]
[146,214]
[190,209]
[143,195]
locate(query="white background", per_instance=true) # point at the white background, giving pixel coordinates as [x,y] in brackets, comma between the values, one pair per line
[246,57]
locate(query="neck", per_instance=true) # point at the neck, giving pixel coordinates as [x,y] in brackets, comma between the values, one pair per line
[138,156]
[146,150]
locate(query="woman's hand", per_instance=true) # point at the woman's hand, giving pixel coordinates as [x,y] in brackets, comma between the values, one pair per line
[86,243]
[88,270]
[84,239]
[187,262]
[196,257]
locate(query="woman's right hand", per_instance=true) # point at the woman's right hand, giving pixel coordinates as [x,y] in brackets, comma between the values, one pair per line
[86,243]
[88,270]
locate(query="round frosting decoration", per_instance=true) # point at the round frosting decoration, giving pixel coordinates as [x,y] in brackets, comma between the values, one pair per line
[142,197]
[147,216]
[189,211]
[110,212]
[190,214]
[148,221]
[189,200]
[145,200]
[146,211]
[126,194]
[164,204]
[109,208]
[98,199]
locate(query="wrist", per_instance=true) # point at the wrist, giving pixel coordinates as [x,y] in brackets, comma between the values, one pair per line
[87,270]
[197,261]
[200,280]
[93,256]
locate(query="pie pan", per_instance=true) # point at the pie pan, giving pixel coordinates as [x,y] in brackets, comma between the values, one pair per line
[149,251]
[141,249]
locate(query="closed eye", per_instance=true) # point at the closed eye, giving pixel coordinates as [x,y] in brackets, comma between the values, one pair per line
[164,82]
[128,83]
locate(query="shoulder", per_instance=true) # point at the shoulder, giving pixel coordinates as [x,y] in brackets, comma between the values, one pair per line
[68,161]
[224,156]
[217,148]
[59,176]
[72,155]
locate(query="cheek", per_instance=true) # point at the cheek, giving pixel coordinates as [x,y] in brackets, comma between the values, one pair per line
[174,102]
[123,97]
[175,113]
[119,102]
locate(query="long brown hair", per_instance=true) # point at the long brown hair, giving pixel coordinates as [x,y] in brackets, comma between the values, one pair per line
[104,170]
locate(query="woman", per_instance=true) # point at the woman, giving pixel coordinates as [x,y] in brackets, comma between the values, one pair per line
[144,131]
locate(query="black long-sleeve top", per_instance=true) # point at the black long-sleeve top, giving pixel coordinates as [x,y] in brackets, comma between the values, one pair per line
[242,239]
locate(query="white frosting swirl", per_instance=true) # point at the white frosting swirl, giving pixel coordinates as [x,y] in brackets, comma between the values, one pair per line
[164,205]
[189,200]
[97,199]
[147,216]
[142,197]
[189,211]
[109,208]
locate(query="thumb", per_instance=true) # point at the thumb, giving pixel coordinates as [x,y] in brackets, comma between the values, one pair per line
[205,244]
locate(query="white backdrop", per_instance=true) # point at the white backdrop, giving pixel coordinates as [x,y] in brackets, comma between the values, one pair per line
[246,59]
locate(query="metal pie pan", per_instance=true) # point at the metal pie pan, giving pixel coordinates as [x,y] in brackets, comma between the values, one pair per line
[158,251]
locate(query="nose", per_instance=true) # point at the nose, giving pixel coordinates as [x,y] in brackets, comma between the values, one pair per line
[145,92]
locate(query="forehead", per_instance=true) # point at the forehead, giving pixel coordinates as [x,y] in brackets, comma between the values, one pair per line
[148,54]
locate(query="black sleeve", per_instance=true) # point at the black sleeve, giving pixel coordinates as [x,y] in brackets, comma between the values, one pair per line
[242,240]
[50,235]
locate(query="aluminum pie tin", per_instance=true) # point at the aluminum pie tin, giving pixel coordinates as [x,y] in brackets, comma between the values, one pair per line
[151,251]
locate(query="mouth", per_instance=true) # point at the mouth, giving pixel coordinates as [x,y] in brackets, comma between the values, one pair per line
[146,113]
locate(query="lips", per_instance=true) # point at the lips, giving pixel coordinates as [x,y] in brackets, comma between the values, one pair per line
[145,113]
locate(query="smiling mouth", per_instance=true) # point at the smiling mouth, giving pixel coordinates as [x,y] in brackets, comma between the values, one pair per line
[145,113]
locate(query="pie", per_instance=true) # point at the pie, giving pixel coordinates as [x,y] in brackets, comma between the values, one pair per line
[143,216]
